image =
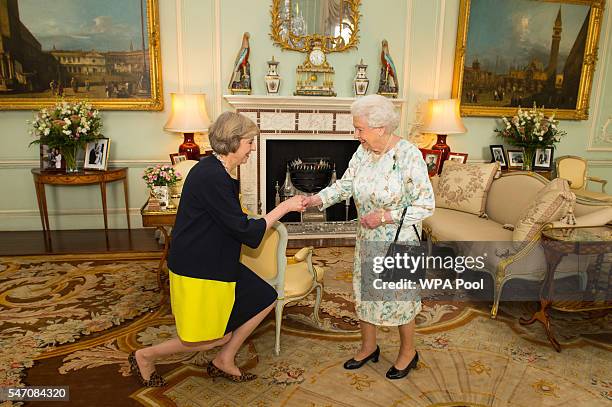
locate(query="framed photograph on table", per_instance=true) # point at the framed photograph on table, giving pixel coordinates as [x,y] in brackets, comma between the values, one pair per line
[516,159]
[96,154]
[51,159]
[512,53]
[543,159]
[432,160]
[460,158]
[107,52]
[498,155]
[176,158]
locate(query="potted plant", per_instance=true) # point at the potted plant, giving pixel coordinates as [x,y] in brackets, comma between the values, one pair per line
[530,129]
[68,126]
[159,178]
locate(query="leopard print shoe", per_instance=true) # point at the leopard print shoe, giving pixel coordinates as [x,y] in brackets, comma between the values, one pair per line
[214,371]
[154,381]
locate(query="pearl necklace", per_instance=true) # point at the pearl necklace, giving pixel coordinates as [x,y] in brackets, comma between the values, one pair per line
[218,157]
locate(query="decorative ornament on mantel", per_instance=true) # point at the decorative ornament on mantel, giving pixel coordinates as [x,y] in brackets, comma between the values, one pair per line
[315,76]
[272,78]
[361,81]
[240,81]
[388,85]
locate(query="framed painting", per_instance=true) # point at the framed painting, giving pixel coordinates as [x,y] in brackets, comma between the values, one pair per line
[512,53]
[104,51]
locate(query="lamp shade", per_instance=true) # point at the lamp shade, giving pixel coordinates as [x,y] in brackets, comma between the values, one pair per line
[442,117]
[188,114]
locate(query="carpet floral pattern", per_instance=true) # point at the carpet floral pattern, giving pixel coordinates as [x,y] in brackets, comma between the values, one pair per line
[79,316]
[45,304]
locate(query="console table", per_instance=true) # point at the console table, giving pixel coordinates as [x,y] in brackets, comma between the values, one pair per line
[556,245]
[75,179]
[160,220]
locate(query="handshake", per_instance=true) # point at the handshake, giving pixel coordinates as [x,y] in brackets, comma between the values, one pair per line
[299,203]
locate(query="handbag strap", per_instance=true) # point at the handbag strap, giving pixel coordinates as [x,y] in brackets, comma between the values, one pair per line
[399,228]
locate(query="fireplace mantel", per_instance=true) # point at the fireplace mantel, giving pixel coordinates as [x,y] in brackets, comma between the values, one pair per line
[256,102]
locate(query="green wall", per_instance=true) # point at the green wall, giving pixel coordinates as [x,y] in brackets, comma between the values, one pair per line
[421,34]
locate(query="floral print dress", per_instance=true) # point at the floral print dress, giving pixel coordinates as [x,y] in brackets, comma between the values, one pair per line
[390,181]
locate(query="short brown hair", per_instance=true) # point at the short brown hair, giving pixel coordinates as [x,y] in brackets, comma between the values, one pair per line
[227,131]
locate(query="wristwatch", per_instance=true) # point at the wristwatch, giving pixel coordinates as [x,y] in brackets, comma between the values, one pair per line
[382,217]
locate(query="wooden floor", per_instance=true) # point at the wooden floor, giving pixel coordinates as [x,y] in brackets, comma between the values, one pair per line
[78,241]
[113,241]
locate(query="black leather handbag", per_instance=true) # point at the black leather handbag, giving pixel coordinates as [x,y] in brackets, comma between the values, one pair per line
[404,250]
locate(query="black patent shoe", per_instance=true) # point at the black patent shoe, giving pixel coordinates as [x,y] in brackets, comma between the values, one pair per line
[394,373]
[356,364]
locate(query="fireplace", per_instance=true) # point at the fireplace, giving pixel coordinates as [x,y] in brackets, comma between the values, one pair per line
[280,152]
[292,127]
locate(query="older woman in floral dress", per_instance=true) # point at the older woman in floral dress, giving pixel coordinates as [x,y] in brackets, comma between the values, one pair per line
[385,175]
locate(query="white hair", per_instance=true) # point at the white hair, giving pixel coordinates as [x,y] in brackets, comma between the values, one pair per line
[378,111]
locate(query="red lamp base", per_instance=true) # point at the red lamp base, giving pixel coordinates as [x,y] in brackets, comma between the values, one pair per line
[443,147]
[189,148]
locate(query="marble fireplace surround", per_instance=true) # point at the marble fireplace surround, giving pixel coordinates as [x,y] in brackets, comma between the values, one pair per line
[288,118]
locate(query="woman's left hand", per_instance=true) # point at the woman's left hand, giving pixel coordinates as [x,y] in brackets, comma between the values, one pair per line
[371,220]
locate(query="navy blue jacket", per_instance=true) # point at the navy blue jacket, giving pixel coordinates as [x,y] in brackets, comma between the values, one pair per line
[210,225]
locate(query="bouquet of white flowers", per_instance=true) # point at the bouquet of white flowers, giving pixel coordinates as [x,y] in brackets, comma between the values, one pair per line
[67,126]
[530,129]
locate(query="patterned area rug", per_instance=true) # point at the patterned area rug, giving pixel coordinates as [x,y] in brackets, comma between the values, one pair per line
[72,320]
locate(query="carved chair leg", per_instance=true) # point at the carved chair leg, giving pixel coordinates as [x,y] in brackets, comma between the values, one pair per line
[280,304]
[317,304]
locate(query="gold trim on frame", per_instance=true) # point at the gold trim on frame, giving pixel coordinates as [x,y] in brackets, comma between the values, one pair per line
[586,77]
[154,102]
[307,40]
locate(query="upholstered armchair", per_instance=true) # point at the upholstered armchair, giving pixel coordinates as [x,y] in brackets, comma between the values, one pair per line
[183,168]
[574,169]
[293,278]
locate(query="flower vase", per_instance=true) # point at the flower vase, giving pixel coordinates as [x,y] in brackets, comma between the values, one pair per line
[528,159]
[70,156]
[160,192]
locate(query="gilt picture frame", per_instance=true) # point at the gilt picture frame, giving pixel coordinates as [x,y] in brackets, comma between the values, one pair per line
[512,53]
[105,52]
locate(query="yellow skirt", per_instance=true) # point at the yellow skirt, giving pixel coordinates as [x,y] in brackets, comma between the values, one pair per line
[201,308]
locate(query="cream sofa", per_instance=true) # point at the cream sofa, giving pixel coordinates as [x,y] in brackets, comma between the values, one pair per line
[506,201]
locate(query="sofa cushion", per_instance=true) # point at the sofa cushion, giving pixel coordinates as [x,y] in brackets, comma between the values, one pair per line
[464,187]
[550,204]
[510,195]
[448,225]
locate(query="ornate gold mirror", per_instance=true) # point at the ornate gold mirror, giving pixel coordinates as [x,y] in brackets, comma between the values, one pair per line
[297,24]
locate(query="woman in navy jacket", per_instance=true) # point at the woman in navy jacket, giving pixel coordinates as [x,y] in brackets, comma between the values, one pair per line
[216,300]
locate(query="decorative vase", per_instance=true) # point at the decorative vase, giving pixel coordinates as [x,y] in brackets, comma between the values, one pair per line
[361,81]
[272,78]
[70,156]
[528,158]
[161,193]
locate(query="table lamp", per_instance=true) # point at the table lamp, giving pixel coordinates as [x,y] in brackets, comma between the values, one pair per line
[442,118]
[188,116]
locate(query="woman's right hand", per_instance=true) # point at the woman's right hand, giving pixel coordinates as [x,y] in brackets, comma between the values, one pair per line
[296,203]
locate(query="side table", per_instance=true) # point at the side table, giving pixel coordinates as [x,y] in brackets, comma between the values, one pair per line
[41,178]
[556,245]
[160,220]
